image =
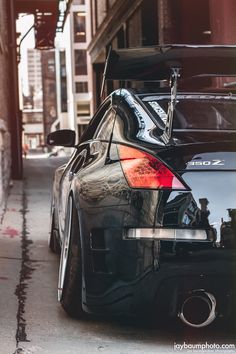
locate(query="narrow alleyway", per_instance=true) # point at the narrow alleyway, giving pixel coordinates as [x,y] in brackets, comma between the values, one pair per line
[23,255]
[31,320]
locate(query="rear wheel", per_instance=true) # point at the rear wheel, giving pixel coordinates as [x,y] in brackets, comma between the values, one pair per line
[70,272]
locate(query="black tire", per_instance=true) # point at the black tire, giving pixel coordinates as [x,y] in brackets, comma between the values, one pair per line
[71,299]
[53,242]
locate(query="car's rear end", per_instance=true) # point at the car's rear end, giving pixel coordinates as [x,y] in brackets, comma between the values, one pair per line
[162,232]
[174,247]
[195,221]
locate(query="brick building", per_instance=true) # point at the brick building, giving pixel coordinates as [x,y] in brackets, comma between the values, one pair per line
[49,89]
[7,95]
[132,23]
[49,17]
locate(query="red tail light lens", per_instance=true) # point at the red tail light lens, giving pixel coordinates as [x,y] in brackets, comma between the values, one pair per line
[143,170]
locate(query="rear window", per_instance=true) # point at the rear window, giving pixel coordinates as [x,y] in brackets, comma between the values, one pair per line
[201,113]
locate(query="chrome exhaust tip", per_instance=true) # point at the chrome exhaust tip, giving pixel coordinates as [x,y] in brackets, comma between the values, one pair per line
[199,309]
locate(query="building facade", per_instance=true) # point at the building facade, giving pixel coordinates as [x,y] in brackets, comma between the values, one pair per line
[123,24]
[35,77]
[48,62]
[7,98]
[77,67]
[80,67]
[49,17]
[39,110]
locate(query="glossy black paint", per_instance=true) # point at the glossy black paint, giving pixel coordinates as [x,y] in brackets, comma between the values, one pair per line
[136,276]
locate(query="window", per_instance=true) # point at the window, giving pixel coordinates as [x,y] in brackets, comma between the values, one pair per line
[194,112]
[79,26]
[83,109]
[51,65]
[63,81]
[205,114]
[81,87]
[80,62]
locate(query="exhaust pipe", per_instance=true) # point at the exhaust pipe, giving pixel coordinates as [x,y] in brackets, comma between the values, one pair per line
[199,309]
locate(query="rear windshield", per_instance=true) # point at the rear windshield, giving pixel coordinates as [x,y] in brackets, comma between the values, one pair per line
[195,113]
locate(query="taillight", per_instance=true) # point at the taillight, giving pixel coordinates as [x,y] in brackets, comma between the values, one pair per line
[143,170]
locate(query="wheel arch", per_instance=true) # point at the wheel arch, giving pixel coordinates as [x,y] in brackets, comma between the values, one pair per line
[75,204]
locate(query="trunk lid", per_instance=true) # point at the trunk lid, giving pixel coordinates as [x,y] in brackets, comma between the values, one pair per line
[209,170]
[198,154]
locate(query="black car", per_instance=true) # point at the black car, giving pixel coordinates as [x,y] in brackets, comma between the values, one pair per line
[144,212]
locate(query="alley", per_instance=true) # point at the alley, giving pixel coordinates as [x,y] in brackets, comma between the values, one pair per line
[31,319]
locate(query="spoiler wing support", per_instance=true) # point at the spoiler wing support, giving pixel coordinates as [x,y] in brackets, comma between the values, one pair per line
[104,77]
[175,74]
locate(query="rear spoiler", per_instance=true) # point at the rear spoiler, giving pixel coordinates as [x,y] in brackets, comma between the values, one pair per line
[155,63]
[170,62]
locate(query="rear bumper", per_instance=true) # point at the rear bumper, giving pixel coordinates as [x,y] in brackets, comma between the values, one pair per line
[136,277]
[162,297]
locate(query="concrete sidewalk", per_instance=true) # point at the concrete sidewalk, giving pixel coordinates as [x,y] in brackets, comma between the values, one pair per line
[11,230]
[23,238]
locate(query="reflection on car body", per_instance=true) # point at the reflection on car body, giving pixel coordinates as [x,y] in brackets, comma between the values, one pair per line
[144,211]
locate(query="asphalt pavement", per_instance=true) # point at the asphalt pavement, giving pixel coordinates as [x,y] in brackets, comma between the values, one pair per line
[32,321]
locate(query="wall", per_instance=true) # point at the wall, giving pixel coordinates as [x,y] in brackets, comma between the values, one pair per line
[4,104]
[222,18]
[49,89]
